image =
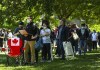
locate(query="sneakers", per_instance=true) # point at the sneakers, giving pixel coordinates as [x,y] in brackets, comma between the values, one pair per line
[43,60]
[16,62]
[33,63]
[77,53]
[49,61]
[46,61]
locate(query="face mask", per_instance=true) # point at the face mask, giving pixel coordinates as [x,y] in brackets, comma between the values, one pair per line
[44,27]
[28,21]
[83,27]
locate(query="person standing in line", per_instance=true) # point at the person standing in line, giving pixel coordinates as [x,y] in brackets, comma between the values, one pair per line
[99,38]
[5,37]
[94,39]
[62,36]
[45,34]
[19,35]
[30,40]
[83,34]
[10,35]
[1,38]
[73,37]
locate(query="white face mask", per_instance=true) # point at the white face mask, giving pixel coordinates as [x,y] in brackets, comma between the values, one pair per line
[28,21]
[44,27]
[83,27]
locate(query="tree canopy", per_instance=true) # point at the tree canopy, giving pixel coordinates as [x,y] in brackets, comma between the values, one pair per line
[12,11]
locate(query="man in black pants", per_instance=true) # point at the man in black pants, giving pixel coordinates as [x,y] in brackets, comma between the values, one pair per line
[99,38]
[1,38]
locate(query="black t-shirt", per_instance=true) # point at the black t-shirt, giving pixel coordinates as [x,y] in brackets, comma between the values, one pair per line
[32,31]
[1,35]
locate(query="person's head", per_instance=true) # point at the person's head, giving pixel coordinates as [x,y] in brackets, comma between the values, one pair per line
[94,31]
[62,22]
[29,19]
[21,24]
[9,30]
[73,25]
[83,25]
[45,24]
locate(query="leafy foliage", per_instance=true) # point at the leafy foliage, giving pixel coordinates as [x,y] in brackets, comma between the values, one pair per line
[13,11]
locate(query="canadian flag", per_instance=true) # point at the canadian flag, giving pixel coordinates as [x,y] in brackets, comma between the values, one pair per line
[15,42]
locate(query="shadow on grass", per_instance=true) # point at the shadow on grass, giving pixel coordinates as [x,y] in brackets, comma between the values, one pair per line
[87,62]
[91,61]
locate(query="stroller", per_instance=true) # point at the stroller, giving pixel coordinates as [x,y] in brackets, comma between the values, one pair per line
[15,50]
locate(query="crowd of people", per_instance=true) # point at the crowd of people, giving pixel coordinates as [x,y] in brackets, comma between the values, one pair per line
[82,39]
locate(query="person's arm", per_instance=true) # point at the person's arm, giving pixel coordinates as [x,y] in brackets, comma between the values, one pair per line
[87,33]
[41,34]
[16,32]
[67,32]
[37,33]
[48,32]
[2,36]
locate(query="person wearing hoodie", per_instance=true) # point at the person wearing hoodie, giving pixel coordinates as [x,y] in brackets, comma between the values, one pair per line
[83,35]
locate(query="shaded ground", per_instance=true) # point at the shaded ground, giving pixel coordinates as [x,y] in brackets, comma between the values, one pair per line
[91,61]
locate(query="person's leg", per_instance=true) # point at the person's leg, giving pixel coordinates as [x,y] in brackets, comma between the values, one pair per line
[99,43]
[62,50]
[73,45]
[22,51]
[85,47]
[80,47]
[58,52]
[59,48]
[76,46]
[32,49]
[95,44]
[44,52]
[36,55]
[1,43]
[89,46]
[26,51]
[49,51]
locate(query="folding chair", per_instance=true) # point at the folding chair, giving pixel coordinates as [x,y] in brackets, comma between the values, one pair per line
[15,49]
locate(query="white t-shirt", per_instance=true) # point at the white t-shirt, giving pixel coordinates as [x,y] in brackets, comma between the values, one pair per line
[94,36]
[10,35]
[46,39]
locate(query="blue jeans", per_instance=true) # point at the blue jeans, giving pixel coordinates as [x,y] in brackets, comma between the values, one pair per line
[82,45]
[58,51]
[62,49]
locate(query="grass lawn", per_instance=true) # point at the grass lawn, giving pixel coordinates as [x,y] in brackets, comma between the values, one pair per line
[91,61]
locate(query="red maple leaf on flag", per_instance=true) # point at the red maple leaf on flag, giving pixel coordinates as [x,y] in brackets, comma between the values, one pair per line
[15,41]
